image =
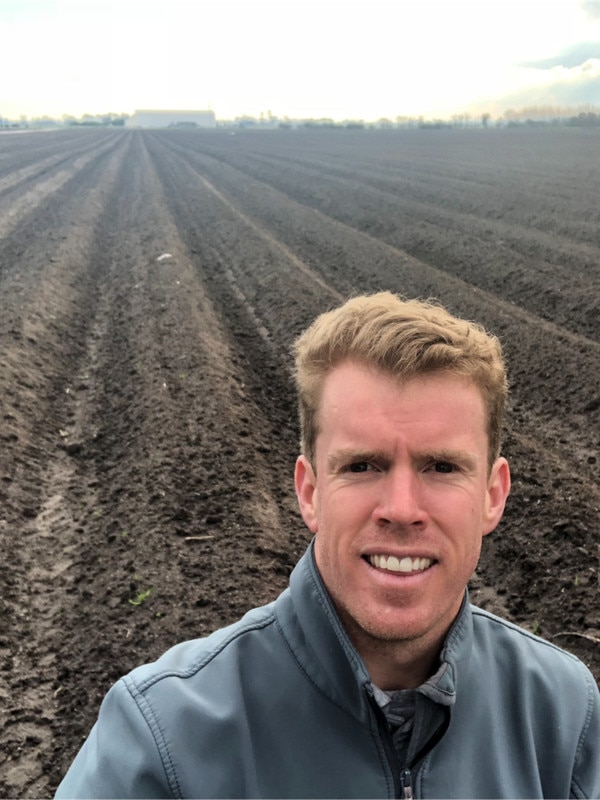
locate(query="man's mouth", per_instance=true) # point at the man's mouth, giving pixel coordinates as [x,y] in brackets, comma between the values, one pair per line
[394,564]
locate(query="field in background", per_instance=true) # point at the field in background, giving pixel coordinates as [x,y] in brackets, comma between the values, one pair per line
[151,284]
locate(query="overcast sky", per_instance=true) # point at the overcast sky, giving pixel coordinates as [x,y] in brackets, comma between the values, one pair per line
[331,58]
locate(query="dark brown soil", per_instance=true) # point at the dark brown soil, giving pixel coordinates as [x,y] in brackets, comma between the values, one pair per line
[150,286]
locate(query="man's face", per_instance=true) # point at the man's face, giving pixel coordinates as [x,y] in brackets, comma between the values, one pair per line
[399,500]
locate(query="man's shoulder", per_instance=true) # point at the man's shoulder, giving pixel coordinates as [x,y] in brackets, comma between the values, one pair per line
[188,659]
[522,651]
[487,623]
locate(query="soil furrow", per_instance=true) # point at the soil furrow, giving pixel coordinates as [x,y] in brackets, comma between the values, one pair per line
[180,527]
[37,163]
[14,209]
[233,242]
[528,200]
[357,259]
[523,265]
[41,350]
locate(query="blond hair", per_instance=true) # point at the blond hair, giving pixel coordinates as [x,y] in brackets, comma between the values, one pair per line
[406,339]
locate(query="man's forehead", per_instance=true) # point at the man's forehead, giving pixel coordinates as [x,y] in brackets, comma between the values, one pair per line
[357,402]
[350,380]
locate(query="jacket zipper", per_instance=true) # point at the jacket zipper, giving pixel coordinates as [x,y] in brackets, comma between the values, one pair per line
[405,788]
[406,784]
[402,781]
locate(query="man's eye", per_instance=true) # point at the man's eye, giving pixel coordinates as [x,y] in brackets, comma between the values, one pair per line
[444,467]
[359,466]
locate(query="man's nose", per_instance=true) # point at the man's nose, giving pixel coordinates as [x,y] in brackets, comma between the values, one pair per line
[401,500]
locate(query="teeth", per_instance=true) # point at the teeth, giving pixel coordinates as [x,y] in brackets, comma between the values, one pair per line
[406,564]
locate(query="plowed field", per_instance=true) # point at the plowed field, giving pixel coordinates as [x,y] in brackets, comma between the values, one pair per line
[150,286]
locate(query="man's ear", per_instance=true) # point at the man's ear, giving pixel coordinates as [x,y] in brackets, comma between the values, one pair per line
[497,492]
[306,492]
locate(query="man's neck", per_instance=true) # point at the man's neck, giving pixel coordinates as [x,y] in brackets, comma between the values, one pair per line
[393,667]
[395,664]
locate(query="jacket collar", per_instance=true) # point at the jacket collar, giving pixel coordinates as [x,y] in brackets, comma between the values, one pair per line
[320,645]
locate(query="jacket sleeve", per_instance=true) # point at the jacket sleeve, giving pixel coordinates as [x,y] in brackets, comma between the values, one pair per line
[124,755]
[586,772]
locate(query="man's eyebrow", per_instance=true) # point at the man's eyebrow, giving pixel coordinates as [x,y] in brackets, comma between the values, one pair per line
[463,457]
[346,455]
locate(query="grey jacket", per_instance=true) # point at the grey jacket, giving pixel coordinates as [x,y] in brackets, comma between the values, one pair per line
[281,705]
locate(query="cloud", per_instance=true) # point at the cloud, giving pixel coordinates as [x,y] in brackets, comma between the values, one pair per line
[573,56]
[572,88]
[578,87]
[591,8]
[570,78]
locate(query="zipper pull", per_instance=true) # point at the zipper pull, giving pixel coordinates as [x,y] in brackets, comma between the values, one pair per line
[406,784]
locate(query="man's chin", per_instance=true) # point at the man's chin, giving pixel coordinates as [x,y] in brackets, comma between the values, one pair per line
[401,626]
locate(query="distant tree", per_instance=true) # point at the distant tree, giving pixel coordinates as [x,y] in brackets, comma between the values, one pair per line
[585,120]
[324,122]
[434,124]
[485,118]
[405,122]
[461,120]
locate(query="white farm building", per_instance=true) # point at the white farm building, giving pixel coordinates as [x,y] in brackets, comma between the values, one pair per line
[149,118]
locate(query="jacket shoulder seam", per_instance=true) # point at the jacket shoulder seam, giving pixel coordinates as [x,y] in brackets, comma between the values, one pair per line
[479,612]
[149,717]
[205,659]
[584,730]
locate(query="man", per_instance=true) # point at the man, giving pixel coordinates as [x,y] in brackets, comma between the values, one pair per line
[372,675]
